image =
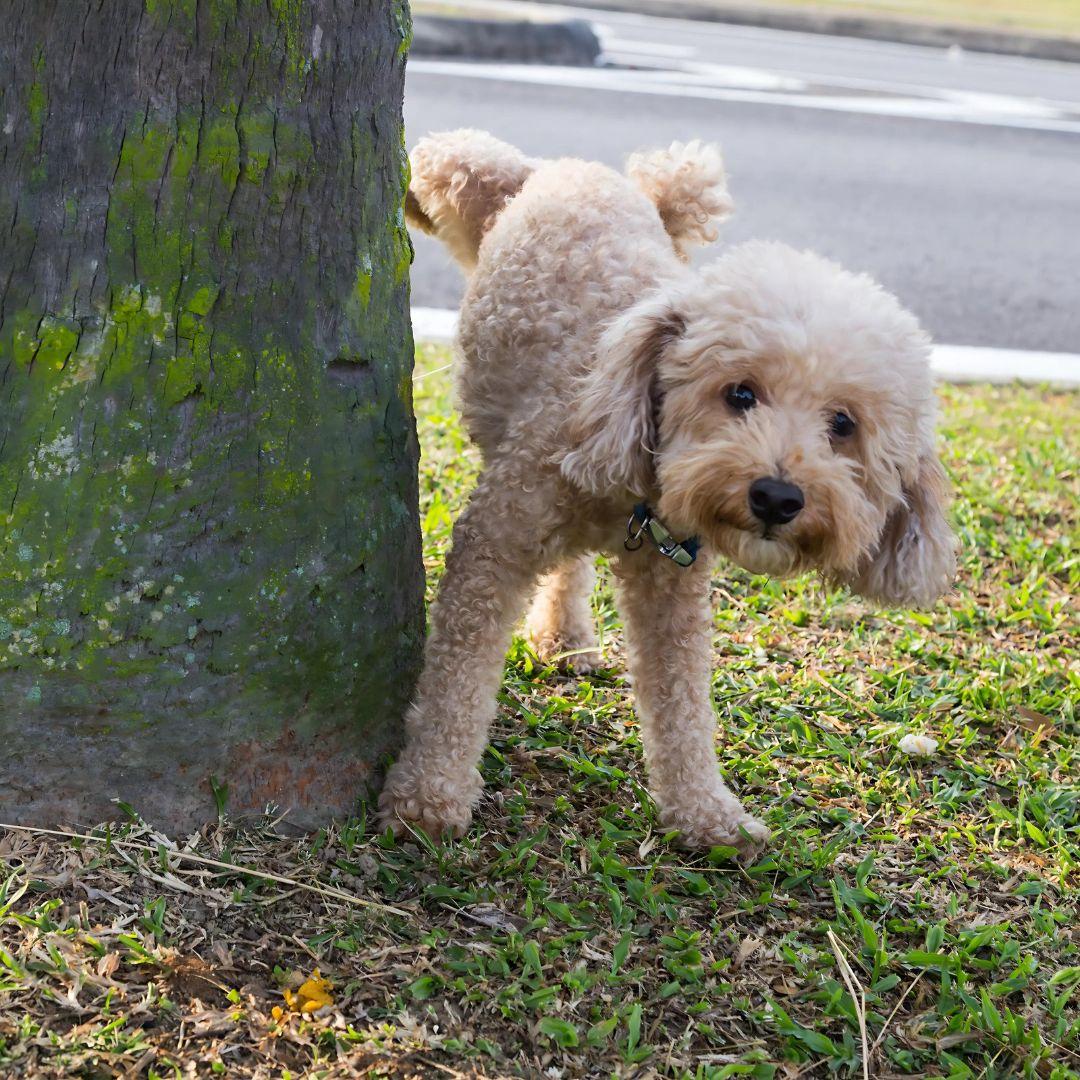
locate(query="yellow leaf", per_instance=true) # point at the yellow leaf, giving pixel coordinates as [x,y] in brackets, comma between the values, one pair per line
[313,994]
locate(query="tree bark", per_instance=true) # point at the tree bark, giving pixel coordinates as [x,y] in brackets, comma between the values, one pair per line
[210,572]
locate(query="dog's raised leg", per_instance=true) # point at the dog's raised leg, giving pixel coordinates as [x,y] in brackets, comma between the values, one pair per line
[668,622]
[435,781]
[560,623]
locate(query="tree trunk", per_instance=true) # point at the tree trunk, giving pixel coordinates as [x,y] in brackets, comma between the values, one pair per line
[210,568]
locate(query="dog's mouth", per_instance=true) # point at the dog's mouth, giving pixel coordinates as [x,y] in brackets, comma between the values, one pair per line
[775,551]
[759,549]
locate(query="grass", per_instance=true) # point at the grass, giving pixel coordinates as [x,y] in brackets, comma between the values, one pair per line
[1049,17]
[915,917]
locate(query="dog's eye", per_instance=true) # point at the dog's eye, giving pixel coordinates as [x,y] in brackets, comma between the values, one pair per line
[741,397]
[841,425]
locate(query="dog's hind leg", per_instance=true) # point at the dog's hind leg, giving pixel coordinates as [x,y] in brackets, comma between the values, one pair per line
[669,638]
[560,624]
[461,181]
[489,574]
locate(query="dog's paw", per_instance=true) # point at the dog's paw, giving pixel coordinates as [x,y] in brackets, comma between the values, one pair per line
[406,803]
[744,833]
[579,657]
[436,817]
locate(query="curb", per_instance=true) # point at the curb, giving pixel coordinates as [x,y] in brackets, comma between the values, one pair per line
[935,35]
[569,42]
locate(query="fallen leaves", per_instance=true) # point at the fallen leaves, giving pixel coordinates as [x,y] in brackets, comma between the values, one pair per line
[491,916]
[747,947]
[1035,722]
[309,997]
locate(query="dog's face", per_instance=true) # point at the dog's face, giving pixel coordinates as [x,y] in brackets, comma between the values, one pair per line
[792,414]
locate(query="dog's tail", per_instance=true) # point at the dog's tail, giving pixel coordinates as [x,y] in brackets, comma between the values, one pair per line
[460,181]
[688,184]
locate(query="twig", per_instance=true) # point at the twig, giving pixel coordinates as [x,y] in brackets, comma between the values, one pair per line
[858,999]
[277,899]
[433,371]
[854,703]
[989,1063]
[903,997]
[446,1069]
[321,890]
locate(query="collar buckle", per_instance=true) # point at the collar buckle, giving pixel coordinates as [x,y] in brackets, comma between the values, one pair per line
[643,523]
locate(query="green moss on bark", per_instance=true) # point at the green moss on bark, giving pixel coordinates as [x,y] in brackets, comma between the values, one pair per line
[207,456]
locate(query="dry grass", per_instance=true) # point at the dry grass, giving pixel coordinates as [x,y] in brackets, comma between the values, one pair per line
[915,916]
[1051,17]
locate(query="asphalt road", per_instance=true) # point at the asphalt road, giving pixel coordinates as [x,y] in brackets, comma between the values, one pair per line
[955,180]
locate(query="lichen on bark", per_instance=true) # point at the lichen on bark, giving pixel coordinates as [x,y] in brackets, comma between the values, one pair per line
[208,539]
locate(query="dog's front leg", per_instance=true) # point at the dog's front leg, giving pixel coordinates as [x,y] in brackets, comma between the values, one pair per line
[669,636]
[435,781]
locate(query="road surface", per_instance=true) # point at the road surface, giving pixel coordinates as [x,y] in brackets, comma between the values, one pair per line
[952,178]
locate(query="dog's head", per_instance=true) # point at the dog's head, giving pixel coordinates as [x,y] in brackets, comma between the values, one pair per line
[784,410]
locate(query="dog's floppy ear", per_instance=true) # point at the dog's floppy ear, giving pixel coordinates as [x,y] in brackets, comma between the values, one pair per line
[915,560]
[611,433]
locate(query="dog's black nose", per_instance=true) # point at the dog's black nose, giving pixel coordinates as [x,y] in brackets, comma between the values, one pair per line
[775,502]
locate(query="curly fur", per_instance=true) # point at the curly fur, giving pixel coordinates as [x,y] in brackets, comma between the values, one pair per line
[460,181]
[592,371]
[688,186]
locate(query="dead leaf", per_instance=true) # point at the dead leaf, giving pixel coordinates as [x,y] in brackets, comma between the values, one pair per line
[496,918]
[108,964]
[1035,721]
[101,894]
[946,1042]
[747,947]
[207,1024]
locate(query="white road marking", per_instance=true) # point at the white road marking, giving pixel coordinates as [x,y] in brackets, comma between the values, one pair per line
[434,324]
[950,363]
[726,76]
[731,75]
[713,82]
[646,48]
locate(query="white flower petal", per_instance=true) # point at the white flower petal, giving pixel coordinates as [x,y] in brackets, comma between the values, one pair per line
[918,745]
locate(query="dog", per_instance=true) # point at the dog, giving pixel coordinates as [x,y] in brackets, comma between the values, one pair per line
[771,408]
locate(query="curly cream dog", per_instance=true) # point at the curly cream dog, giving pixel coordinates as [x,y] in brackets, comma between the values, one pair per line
[773,406]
